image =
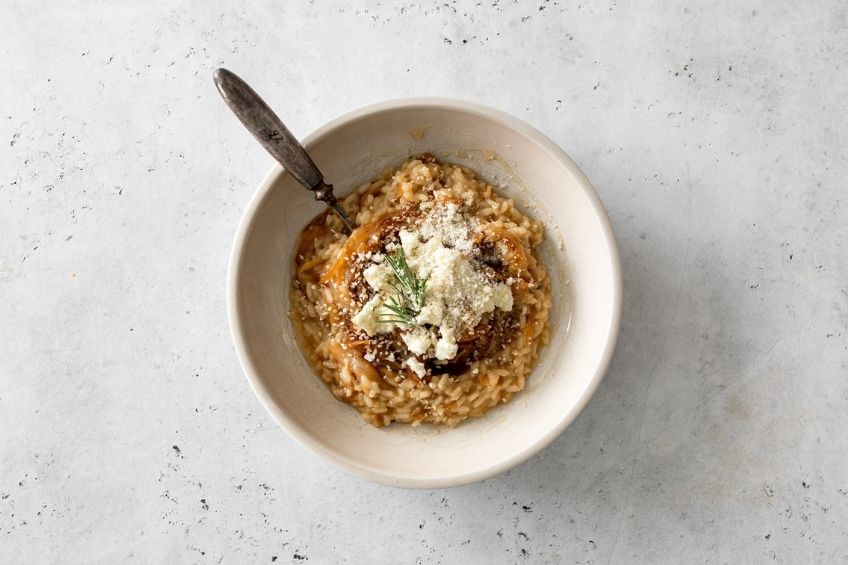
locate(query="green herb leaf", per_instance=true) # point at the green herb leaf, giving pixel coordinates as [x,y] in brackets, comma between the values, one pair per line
[409,291]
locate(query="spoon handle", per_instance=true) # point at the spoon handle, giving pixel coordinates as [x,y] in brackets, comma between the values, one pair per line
[275,137]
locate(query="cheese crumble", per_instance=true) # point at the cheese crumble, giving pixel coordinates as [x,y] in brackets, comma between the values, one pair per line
[439,249]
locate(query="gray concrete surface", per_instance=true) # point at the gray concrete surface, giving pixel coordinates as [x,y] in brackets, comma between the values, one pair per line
[716,136]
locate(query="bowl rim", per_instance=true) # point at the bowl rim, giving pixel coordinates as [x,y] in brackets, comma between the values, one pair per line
[373,473]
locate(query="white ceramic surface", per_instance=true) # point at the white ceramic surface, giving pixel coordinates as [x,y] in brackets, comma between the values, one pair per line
[580,252]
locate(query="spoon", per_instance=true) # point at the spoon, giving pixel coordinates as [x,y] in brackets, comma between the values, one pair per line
[275,137]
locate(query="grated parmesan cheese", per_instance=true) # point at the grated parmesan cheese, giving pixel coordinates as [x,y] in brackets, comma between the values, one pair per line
[457,296]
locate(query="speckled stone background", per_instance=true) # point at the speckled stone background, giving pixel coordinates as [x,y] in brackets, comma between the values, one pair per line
[715,135]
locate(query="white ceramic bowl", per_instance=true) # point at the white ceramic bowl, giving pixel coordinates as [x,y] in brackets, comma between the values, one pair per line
[580,252]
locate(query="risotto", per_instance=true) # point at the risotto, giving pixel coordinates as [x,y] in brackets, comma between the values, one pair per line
[435,307]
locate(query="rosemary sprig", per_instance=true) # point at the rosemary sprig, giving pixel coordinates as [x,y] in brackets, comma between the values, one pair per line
[409,289]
